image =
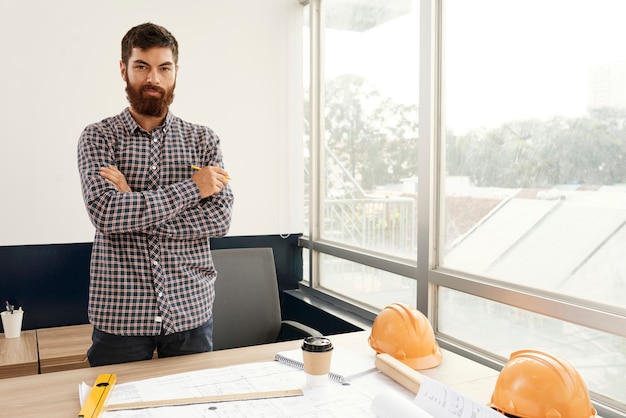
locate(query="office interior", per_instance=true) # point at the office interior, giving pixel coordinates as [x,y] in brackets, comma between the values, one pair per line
[504,247]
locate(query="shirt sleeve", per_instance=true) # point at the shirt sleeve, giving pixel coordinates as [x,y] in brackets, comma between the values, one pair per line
[211,218]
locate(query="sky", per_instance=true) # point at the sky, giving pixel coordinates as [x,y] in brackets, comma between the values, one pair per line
[503,60]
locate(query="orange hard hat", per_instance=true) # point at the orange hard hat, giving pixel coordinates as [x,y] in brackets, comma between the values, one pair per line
[404,332]
[535,384]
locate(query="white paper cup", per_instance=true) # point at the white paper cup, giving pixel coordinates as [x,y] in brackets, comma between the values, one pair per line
[12,323]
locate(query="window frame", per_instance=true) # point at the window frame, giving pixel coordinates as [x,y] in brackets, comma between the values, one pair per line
[428,275]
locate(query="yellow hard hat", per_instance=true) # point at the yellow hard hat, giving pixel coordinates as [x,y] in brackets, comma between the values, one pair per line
[405,333]
[535,384]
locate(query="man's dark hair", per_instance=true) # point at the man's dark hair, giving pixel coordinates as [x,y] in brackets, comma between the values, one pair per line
[148,35]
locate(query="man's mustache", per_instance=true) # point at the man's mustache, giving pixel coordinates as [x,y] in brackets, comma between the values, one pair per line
[153,88]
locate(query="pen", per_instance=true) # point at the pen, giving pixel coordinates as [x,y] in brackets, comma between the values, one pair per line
[195,167]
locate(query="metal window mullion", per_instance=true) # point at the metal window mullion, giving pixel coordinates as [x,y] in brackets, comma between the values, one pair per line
[316,95]
[383,262]
[560,307]
[429,141]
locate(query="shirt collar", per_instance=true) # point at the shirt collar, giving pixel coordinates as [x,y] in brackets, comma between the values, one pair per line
[132,125]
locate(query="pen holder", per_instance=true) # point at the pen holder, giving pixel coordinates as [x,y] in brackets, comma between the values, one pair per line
[12,323]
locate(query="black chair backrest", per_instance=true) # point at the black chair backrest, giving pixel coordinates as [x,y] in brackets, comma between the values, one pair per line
[247,306]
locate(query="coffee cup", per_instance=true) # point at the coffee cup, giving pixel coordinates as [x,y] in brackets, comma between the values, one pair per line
[317,354]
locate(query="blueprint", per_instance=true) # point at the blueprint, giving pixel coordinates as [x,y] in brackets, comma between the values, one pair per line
[373,394]
[332,400]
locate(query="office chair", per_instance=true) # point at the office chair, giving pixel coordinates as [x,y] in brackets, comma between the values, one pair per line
[247,306]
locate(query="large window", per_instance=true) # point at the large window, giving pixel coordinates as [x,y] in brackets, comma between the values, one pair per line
[534,180]
[367,179]
[515,234]
[535,190]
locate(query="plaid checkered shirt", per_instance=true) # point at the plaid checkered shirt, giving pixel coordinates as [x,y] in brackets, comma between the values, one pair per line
[151,267]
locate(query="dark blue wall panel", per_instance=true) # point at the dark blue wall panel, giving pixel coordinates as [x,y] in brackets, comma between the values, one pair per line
[51,282]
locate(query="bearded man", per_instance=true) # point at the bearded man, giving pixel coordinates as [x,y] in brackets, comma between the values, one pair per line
[156,191]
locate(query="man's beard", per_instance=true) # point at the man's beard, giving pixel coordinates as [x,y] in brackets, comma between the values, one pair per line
[149,105]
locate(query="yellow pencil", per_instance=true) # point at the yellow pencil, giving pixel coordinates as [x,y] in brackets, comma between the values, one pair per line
[195,167]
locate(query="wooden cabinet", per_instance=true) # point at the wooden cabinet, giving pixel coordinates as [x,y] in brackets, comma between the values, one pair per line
[18,356]
[64,348]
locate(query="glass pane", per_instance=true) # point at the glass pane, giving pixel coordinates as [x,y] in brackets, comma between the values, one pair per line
[366,285]
[371,56]
[600,358]
[535,105]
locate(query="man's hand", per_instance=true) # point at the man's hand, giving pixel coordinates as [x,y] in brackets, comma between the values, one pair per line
[210,180]
[115,176]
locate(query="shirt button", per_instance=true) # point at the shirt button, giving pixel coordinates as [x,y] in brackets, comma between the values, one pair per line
[156,263]
[155,140]
[154,167]
[160,294]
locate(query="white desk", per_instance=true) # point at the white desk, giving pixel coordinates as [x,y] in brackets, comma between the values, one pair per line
[56,394]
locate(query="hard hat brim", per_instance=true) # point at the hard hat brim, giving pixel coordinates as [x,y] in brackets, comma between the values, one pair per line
[426,362]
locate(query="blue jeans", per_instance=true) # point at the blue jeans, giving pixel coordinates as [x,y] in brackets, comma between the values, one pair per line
[112,349]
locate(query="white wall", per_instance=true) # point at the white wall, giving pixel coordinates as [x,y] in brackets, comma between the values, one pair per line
[240,73]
